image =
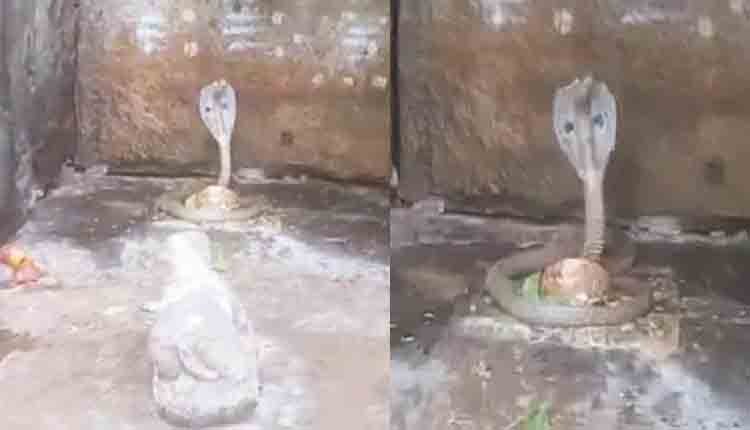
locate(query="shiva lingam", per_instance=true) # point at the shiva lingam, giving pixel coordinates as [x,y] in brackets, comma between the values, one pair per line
[214,203]
[571,287]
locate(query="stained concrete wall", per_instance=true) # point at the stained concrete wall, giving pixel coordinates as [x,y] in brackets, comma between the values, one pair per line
[37,114]
[477,80]
[311,78]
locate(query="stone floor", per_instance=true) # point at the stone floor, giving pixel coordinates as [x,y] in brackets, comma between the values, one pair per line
[458,363]
[313,274]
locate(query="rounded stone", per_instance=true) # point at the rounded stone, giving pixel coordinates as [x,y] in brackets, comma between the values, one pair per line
[214,196]
[578,280]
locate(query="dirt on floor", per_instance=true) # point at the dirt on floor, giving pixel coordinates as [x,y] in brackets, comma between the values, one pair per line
[313,274]
[460,363]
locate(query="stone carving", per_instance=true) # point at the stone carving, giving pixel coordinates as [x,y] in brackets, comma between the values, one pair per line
[202,344]
[218,110]
[570,289]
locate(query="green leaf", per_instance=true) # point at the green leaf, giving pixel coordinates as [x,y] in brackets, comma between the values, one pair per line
[537,417]
[531,286]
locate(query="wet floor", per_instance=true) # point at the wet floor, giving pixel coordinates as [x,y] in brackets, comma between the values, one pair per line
[705,269]
[469,366]
[312,273]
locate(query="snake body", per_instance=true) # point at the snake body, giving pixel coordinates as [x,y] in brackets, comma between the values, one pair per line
[617,259]
[218,110]
[173,203]
[585,123]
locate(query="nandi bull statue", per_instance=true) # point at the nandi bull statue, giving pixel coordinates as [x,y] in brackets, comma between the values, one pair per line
[202,345]
[564,283]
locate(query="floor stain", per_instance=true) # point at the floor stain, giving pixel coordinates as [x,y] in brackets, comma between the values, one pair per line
[10,342]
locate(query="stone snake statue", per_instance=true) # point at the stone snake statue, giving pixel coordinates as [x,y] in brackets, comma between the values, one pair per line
[585,122]
[174,204]
[214,203]
[616,260]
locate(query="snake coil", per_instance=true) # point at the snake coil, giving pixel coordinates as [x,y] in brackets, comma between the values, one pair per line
[173,203]
[499,284]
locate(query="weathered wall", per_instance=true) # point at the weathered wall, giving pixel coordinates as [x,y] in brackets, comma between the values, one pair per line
[311,78]
[477,81]
[37,114]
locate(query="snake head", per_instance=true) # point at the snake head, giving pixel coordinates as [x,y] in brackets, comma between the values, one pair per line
[585,123]
[218,110]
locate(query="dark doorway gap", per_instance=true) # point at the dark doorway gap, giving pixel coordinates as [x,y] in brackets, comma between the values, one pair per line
[395,105]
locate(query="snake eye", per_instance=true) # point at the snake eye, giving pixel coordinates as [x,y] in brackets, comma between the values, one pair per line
[568,127]
[598,120]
